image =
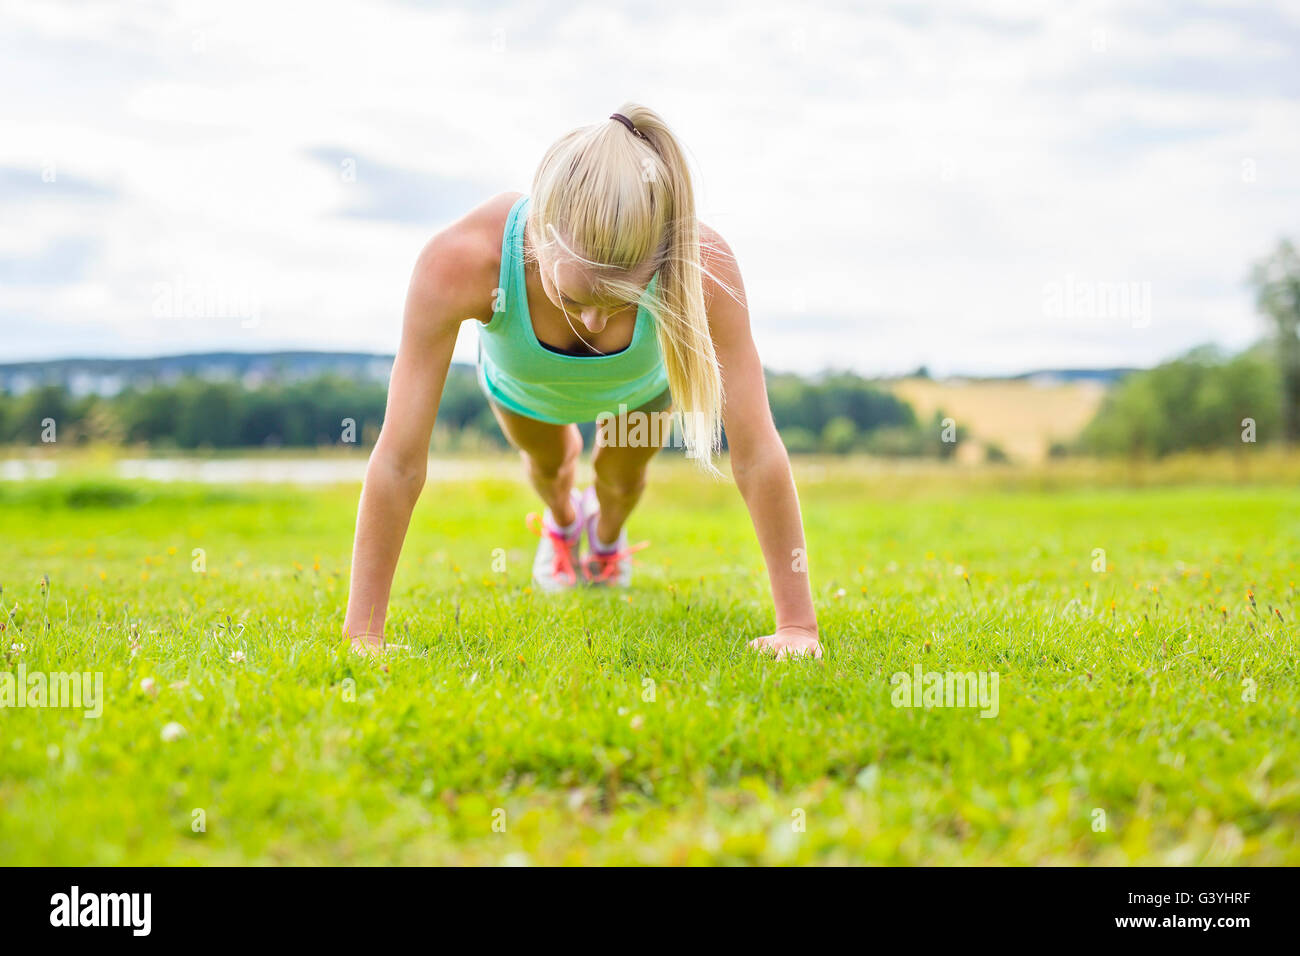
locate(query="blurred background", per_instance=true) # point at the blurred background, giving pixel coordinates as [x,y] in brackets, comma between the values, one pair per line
[975,232]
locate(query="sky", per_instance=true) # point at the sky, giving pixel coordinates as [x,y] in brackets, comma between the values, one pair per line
[981,187]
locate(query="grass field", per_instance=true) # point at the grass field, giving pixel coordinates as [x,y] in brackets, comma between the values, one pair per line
[637,728]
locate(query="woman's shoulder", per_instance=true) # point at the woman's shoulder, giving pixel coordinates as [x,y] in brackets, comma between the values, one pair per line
[484,224]
[721,271]
[462,261]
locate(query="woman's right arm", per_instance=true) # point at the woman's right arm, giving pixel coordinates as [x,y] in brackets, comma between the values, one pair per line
[436,303]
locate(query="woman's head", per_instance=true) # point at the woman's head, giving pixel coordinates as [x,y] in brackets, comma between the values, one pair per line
[611,209]
[589,292]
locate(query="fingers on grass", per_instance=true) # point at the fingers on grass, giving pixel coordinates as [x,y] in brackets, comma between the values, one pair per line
[373,649]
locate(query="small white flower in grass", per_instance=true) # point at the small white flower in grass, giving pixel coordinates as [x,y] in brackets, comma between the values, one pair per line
[840,594]
[149,687]
[173,731]
[17,648]
[237,657]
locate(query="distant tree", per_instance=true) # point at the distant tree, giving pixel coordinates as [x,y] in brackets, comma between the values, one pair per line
[149,416]
[26,422]
[1277,287]
[811,405]
[994,454]
[1196,401]
[798,441]
[840,435]
[100,423]
[209,415]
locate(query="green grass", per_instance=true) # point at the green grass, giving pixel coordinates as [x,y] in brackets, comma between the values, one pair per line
[1119,691]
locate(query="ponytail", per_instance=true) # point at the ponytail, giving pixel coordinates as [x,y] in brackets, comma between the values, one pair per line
[622,197]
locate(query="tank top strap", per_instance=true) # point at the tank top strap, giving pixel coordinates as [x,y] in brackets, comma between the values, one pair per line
[510,298]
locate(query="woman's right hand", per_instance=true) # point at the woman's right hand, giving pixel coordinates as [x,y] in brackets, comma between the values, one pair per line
[374,645]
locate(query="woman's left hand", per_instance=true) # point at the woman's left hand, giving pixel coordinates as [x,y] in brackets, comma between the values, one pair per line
[789,642]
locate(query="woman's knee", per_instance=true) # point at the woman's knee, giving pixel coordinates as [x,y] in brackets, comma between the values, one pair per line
[625,479]
[554,458]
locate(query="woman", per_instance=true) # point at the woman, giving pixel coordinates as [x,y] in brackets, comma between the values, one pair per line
[597,294]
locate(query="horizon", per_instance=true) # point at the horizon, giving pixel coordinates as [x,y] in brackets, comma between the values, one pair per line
[389,356]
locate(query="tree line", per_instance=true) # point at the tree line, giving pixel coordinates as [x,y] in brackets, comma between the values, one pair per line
[833,414]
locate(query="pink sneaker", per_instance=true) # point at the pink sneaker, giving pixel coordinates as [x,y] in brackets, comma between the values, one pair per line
[601,566]
[554,565]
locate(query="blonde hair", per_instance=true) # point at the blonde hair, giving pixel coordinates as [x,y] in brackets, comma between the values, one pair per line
[621,201]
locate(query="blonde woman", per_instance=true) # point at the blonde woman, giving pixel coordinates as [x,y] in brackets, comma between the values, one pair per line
[598,294]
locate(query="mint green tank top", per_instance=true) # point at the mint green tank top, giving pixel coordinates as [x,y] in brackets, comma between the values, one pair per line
[517,372]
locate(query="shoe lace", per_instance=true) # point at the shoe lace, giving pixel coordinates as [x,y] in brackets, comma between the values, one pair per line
[608,564]
[561,548]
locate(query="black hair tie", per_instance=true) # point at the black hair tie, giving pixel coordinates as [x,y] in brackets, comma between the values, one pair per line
[631,127]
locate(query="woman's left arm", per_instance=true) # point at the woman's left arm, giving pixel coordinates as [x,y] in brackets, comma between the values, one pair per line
[759,461]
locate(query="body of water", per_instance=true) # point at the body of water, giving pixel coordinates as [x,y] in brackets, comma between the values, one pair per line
[236,471]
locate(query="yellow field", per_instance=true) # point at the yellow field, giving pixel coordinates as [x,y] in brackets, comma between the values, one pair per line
[1023,417]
